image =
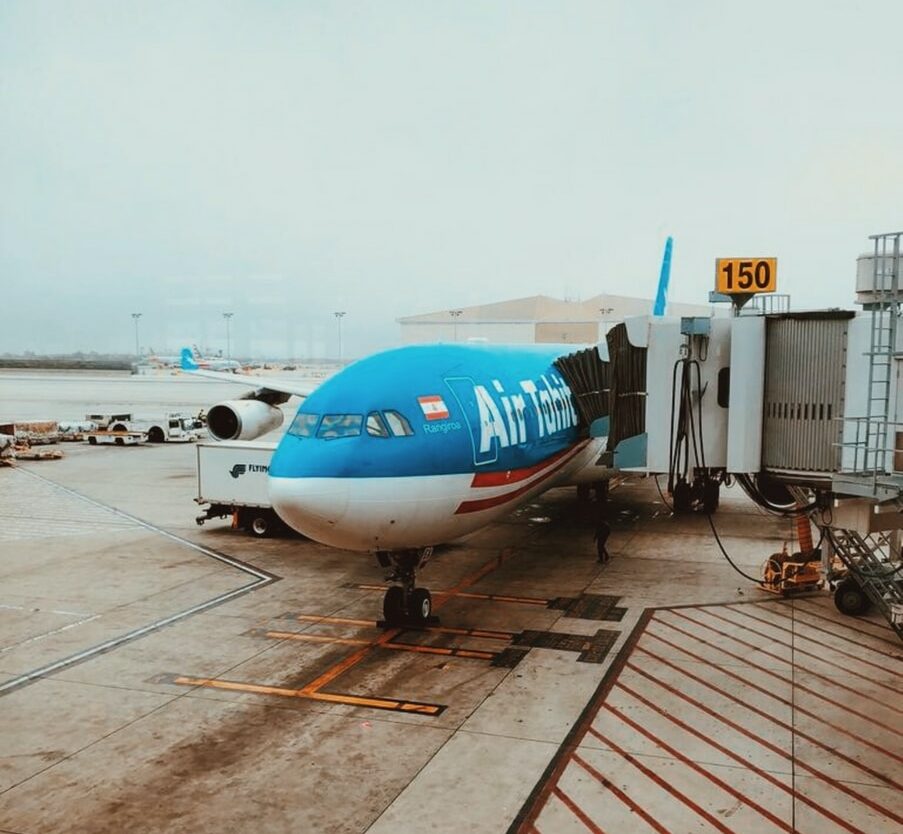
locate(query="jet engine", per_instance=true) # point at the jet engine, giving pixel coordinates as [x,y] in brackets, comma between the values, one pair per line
[242,419]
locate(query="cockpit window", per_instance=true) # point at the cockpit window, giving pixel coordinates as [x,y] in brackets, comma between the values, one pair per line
[398,424]
[376,426]
[340,425]
[304,425]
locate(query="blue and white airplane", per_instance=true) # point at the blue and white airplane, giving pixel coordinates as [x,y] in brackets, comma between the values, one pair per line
[414,447]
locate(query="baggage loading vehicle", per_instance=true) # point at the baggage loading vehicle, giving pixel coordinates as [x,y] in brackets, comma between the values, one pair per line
[172,427]
[232,481]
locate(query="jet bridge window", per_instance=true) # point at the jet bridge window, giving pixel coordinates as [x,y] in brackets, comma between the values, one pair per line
[304,425]
[398,423]
[376,426]
[340,425]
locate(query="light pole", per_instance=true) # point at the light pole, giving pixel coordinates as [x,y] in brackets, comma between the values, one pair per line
[228,318]
[339,315]
[136,316]
[454,314]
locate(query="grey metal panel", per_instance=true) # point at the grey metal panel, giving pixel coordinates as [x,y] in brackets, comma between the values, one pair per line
[804,390]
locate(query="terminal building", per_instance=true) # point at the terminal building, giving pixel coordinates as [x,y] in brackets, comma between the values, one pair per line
[536,319]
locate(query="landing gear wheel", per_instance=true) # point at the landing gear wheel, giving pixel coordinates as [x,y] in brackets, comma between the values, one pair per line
[260,526]
[850,598]
[393,605]
[421,604]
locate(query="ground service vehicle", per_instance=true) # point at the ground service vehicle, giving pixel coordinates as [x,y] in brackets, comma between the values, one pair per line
[172,427]
[232,481]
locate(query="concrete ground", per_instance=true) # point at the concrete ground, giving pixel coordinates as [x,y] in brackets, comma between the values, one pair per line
[156,676]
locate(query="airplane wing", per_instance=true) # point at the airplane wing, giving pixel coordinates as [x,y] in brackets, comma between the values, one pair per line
[264,384]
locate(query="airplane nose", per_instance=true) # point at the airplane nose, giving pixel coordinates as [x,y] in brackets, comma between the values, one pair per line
[313,507]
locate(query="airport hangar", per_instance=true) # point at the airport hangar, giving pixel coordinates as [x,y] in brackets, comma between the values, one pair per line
[538,319]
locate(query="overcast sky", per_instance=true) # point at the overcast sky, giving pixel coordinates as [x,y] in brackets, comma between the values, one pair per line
[284,160]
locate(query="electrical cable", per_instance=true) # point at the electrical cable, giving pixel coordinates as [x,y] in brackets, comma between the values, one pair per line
[727,555]
[662,494]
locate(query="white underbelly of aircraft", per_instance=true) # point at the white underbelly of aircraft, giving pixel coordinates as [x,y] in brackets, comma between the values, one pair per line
[373,513]
[402,513]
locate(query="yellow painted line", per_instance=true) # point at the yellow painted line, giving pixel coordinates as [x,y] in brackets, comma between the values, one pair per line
[313,618]
[504,598]
[328,697]
[352,660]
[465,632]
[447,652]
[315,638]
[467,595]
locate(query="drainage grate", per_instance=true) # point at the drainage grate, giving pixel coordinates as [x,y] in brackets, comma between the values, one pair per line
[589,607]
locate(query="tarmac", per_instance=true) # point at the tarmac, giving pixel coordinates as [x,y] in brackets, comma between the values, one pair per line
[157,676]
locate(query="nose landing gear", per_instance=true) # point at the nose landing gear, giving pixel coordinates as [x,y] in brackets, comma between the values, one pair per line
[406,604]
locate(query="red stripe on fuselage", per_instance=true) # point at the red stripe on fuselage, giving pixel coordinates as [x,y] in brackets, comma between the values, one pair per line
[511,476]
[559,460]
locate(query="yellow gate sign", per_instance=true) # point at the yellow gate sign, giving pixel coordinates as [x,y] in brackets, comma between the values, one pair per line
[746,275]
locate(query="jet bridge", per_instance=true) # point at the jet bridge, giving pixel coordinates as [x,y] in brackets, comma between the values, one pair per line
[803,409]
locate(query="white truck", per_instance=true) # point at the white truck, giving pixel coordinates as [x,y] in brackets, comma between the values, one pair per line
[232,481]
[172,427]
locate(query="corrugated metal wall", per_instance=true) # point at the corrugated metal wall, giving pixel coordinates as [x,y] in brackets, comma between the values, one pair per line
[804,390]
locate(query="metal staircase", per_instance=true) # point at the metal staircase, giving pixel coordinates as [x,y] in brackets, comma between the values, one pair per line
[874,561]
[870,562]
[872,472]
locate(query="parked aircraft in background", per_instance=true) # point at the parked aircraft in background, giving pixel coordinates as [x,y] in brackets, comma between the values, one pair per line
[215,363]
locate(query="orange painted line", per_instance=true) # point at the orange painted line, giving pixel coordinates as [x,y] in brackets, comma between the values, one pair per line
[771,673]
[812,673]
[461,594]
[576,810]
[718,716]
[619,794]
[352,660]
[503,598]
[778,627]
[443,650]
[650,774]
[741,760]
[846,669]
[313,618]
[840,786]
[315,638]
[861,629]
[351,700]
[377,703]
[802,622]
[729,789]
[476,576]
[401,647]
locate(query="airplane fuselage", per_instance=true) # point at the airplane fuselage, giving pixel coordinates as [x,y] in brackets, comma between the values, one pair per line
[424,444]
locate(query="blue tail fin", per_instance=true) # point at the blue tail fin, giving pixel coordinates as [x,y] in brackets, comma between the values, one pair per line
[188,363]
[661,297]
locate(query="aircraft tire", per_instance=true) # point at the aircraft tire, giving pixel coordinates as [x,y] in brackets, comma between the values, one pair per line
[850,599]
[393,605]
[421,604]
[261,525]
